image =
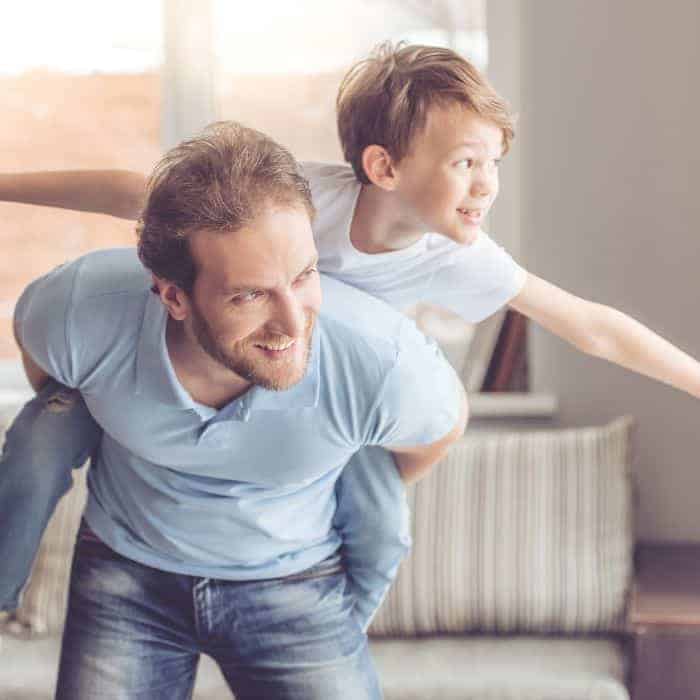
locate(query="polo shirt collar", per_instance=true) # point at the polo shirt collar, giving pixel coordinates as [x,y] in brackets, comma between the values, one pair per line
[156,375]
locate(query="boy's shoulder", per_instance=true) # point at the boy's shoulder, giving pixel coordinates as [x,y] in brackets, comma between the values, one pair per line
[333,185]
[316,172]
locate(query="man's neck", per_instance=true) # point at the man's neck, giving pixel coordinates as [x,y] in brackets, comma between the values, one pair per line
[204,379]
[380,223]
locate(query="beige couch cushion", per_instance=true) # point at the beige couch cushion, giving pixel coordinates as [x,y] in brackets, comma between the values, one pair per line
[526,532]
[500,668]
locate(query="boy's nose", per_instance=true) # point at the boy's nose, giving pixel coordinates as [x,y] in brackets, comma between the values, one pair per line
[482,185]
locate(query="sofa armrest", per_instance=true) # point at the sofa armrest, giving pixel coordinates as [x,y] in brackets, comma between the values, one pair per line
[666,588]
[664,623]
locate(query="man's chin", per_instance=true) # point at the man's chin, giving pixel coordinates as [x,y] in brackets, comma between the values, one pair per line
[277,375]
[275,382]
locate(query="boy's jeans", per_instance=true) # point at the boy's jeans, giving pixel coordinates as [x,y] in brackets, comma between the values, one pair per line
[137,632]
[55,433]
[52,434]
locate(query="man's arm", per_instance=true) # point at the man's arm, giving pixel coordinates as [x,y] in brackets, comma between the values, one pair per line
[607,333]
[414,463]
[118,193]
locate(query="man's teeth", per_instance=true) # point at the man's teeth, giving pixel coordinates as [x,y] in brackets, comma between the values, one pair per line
[275,346]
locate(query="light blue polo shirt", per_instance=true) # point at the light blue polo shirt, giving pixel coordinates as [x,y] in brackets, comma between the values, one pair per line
[247,491]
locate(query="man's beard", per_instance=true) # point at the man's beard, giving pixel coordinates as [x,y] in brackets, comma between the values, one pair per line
[249,363]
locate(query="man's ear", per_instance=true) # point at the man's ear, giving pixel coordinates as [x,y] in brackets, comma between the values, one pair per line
[174,299]
[379,167]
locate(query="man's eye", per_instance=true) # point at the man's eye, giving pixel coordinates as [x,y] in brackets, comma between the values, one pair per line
[247,297]
[465,163]
[496,162]
[306,274]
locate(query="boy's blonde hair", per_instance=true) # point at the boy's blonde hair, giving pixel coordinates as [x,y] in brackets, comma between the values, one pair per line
[385,98]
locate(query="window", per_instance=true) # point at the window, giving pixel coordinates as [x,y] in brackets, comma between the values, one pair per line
[78,89]
[278,64]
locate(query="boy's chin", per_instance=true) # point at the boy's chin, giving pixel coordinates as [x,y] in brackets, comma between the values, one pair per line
[464,235]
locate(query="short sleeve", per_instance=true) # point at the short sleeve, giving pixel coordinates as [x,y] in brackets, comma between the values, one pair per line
[42,318]
[420,399]
[477,281]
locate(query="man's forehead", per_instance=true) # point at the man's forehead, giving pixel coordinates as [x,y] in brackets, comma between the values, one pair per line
[249,258]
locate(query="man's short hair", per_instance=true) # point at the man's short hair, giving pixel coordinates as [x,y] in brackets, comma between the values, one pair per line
[385,98]
[220,181]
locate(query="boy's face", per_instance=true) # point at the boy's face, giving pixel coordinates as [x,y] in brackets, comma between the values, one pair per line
[449,179]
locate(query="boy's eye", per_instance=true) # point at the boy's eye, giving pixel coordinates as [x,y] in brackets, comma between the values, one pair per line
[465,163]
[247,297]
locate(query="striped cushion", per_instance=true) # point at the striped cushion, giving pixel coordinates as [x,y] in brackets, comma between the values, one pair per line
[519,532]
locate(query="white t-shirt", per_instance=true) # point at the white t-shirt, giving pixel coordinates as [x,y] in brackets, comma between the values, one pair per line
[472,281]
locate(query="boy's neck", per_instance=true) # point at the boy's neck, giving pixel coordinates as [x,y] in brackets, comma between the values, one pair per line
[380,223]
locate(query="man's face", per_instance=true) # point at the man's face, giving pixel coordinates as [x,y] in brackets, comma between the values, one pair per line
[449,179]
[256,297]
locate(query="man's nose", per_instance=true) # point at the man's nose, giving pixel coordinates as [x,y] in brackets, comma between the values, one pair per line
[290,317]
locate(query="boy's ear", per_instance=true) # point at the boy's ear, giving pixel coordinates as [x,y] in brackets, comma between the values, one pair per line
[379,167]
[173,298]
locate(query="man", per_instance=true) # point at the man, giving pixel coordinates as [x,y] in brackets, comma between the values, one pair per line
[230,407]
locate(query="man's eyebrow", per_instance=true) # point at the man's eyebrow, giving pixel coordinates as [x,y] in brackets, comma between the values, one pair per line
[229,291]
[313,261]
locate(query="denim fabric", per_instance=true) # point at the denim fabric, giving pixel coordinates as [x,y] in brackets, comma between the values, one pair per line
[53,434]
[136,632]
[373,519]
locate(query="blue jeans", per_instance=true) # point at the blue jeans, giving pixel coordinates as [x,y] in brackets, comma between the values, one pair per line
[136,632]
[55,433]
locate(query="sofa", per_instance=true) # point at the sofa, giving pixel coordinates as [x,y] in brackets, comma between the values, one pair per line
[517,586]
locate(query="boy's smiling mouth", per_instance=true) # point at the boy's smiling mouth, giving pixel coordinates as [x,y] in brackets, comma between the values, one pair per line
[472,216]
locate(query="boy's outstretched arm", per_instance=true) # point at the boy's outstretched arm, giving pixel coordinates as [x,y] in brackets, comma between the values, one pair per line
[607,333]
[118,193]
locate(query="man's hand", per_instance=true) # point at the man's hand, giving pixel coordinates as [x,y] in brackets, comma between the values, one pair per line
[416,462]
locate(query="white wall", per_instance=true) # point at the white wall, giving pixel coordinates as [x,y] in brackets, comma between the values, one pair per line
[610,203]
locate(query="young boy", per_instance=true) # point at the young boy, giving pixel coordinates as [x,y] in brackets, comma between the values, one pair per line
[423,133]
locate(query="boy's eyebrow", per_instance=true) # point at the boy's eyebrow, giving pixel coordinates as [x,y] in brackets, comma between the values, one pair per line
[469,143]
